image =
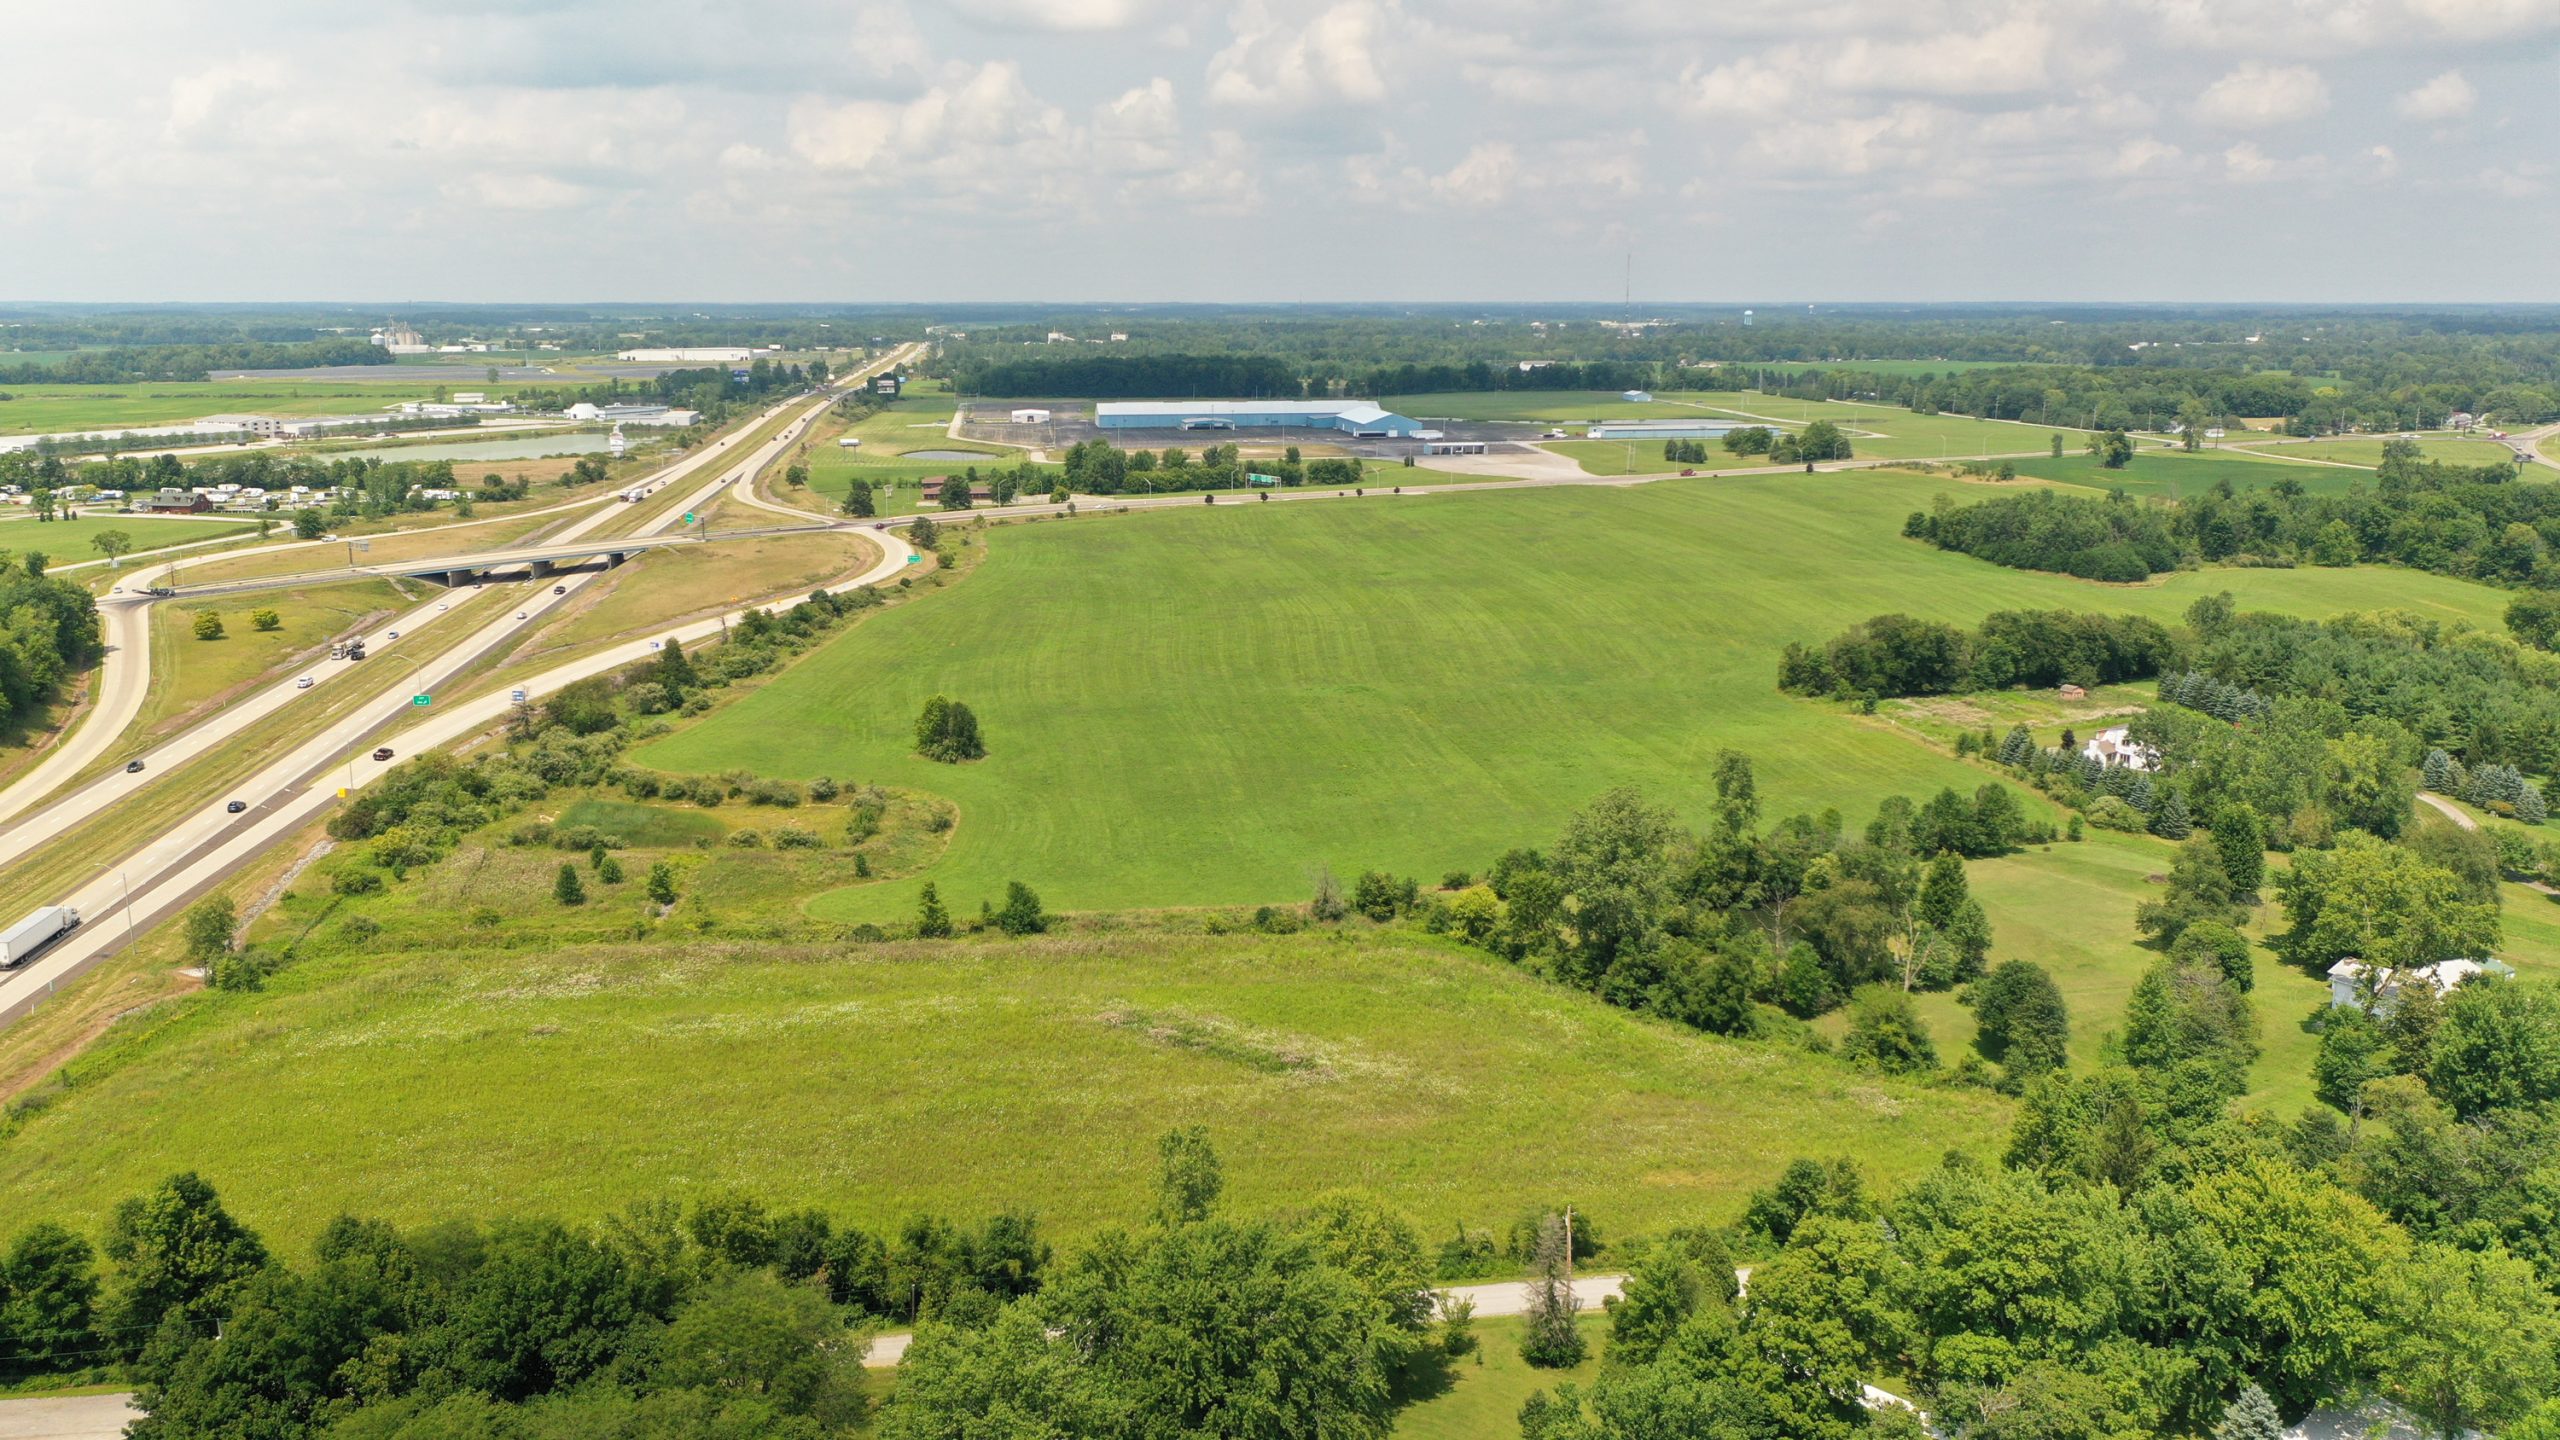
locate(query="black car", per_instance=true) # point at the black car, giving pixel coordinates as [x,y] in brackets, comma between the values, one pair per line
[382,754]
[235,807]
[133,767]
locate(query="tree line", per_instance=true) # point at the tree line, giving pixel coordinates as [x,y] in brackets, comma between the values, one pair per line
[48,631]
[2461,520]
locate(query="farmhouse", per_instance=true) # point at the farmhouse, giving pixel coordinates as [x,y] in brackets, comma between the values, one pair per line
[2347,977]
[2115,748]
[173,502]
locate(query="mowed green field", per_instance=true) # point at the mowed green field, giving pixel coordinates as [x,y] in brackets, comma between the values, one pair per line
[55,409]
[1202,706]
[2174,474]
[957,1077]
[2367,450]
[917,420]
[68,542]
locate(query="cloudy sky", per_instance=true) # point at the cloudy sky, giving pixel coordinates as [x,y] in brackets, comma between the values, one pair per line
[897,150]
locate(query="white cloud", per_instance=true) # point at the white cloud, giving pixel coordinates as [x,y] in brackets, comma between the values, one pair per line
[2446,97]
[2145,156]
[1065,15]
[1484,177]
[2258,95]
[516,192]
[2246,162]
[1332,56]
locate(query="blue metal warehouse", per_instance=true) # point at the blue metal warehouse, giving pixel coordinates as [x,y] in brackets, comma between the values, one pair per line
[1358,417]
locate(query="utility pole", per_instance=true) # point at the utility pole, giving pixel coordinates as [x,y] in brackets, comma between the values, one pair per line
[1568,1249]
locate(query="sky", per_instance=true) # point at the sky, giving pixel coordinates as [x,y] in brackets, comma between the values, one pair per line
[1279,150]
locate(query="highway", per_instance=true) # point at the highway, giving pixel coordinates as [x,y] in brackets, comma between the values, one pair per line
[197,850]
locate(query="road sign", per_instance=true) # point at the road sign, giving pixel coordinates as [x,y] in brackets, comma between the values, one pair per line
[422,699]
[688,517]
[912,559]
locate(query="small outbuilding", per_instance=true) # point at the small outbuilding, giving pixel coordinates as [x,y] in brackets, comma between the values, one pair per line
[1031,415]
[2347,980]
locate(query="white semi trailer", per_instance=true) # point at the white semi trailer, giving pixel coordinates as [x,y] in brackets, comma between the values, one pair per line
[21,942]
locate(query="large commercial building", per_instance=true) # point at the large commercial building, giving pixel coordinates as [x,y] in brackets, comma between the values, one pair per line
[1355,417]
[1659,430]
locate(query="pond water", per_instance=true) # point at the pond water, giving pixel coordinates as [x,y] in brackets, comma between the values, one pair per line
[513,447]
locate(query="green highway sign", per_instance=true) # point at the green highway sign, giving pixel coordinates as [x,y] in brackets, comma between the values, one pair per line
[688,517]
[912,559]
[421,699]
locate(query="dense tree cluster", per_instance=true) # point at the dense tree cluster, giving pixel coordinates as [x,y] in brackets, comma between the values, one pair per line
[2095,539]
[1726,929]
[48,630]
[1892,655]
[2469,521]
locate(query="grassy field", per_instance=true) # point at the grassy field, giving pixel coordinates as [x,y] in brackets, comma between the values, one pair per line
[68,542]
[1477,1396]
[915,421]
[1200,707]
[475,1077]
[188,674]
[2367,450]
[2174,474]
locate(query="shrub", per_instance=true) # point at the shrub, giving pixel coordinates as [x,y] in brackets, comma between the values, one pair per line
[356,882]
[208,626]
[265,620]
[791,837]
[747,839]
[823,790]
[1021,914]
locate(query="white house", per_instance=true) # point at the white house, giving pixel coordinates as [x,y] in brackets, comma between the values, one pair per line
[1031,416]
[2346,978]
[2461,420]
[2114,748]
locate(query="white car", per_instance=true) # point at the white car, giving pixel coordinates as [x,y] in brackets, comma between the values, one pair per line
[520,615]
[391,635]
[302,684]
[442,605]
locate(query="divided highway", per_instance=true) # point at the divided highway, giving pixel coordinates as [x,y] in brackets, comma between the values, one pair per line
[196,851]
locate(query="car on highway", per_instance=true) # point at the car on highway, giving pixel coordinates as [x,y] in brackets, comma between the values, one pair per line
[382,754]
[302,684]
[235,807]
[520,615]
[441,605]
[390,634]
[559,589]
[133,767]
[117,591]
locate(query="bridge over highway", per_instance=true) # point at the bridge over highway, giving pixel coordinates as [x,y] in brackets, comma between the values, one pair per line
[462,569]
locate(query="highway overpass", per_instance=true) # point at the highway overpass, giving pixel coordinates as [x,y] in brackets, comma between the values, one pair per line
[463,569]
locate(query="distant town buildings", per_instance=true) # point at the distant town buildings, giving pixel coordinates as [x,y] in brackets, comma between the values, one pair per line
[692,355]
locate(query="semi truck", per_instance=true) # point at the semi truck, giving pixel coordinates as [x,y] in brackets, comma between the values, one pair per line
[21,942]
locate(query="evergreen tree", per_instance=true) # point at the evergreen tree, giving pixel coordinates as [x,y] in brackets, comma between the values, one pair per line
[2170,821]
[675,671]
[932,921]
[1551,1341]
[2437,772]
[662,883]
[2251,1415]
[858,501]
[567,888]
[1943,891]
[2242,838]
[2529,805]
[2018,747]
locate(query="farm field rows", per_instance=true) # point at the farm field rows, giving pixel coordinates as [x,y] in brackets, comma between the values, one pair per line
[958,1077]
[1414,684]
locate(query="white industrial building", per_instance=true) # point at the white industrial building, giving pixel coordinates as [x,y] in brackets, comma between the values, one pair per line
[1031,415]
[690,355]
